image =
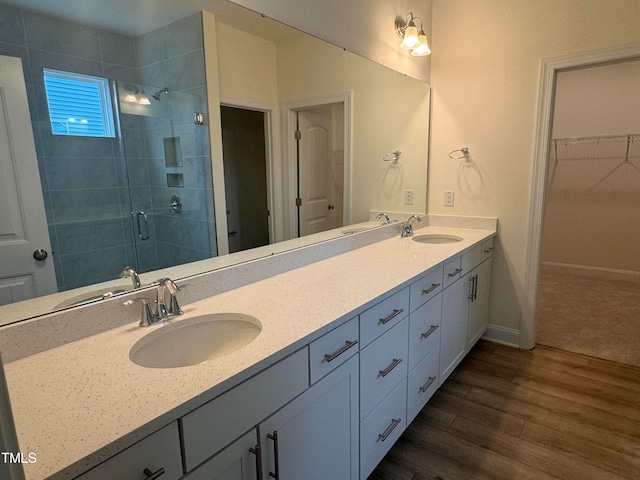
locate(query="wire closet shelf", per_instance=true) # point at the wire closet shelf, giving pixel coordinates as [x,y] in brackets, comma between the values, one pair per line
[622,147]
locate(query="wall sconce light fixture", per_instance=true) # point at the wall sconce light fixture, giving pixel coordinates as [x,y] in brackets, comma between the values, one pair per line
[412,38]
[133,95]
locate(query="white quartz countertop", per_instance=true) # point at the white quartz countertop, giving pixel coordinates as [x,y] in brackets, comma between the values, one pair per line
[76,405]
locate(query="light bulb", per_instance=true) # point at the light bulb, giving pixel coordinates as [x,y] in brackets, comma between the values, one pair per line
[410,39]
[422,48]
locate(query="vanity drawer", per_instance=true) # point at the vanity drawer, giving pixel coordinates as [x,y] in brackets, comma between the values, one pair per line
[452,270]
[422,383]
[383,364]
[382,429]
[216,424]
[425,288]
[333,349]
[424,330]
[381,317]
[487,248]
[160,450]
[471,259]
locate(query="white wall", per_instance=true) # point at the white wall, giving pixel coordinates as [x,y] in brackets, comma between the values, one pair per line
[246,66]
[485,84]
[602,100]
[363,27]
[591,215]
[390,111]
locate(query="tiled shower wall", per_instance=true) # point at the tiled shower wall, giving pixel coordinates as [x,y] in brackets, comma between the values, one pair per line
[84,179]
[173,57]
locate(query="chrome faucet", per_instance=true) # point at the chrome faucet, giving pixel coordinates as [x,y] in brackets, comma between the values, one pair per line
[163,309]
[387,220]
[407,228]
[147,316]
[130,272]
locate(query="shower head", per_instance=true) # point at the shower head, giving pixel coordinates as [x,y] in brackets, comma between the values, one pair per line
[156,95]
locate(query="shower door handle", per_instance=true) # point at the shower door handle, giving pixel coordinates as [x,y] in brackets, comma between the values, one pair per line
[142,219]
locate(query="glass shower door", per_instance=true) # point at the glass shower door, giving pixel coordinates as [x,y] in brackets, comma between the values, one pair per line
[167,162]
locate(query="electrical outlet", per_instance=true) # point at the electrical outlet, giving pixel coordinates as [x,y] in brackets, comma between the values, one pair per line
[408,197]
[448,198]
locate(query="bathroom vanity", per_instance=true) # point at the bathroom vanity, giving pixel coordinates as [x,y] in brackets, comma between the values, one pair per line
[349,350]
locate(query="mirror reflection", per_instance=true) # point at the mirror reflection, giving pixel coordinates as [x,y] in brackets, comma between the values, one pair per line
[221,131]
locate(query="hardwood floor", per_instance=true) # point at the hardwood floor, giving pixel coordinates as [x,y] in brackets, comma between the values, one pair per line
[517,414]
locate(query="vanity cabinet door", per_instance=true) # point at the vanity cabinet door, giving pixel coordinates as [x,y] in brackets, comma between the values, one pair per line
[478,303]
[213,426]
[158,452]
[315,437]
[236,462]
[453,329]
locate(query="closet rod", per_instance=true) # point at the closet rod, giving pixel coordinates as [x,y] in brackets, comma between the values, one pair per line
[572,140]
[595,141]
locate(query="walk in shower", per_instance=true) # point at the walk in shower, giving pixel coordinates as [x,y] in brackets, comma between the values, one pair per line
[139,195]
[143,199]
[166,168]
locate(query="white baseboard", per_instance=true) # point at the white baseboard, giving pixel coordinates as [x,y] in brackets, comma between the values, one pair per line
[608,273]
[503,336]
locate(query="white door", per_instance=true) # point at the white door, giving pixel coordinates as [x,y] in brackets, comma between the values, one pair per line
[321,172]
[23,224]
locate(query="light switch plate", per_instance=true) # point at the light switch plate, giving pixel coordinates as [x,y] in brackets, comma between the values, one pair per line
[448,198]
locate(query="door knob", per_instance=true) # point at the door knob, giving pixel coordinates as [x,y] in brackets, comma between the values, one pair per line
[331,207]
[40,254]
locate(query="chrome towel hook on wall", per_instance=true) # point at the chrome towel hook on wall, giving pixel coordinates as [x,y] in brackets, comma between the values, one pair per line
[464,153]
[395,156]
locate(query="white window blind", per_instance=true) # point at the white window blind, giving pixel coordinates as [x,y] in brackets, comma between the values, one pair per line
[79,104]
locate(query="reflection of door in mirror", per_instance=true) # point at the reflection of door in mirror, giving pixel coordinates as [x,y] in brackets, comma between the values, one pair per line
[320,169]
[245,177]
[23,225]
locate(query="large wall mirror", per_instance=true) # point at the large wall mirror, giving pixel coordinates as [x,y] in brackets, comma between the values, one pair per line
[221,136]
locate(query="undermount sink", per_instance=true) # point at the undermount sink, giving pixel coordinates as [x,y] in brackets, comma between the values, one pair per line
[195,340]
[436,238]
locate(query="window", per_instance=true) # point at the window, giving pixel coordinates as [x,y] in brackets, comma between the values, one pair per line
[79,104]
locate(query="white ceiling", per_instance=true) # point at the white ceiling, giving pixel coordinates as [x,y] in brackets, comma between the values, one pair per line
[136,17]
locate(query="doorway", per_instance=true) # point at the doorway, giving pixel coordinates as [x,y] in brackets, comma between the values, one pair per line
[317,164]
[245,177]
[589,290]
[320,165]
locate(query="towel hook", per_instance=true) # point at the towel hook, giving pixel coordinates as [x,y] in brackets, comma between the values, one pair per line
[395,155]
[464,151]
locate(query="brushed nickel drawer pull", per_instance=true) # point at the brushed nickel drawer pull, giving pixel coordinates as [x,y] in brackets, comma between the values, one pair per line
[426,386]
[455,272]
[332,356]
[276,458]
[153,475]
[394,423]
[256,452]
[430,289]
[488,250]
[429,332]
[473,281]
[391,316]
[392,365]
